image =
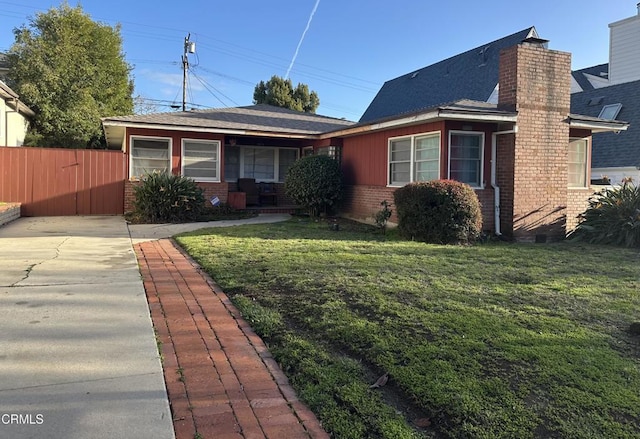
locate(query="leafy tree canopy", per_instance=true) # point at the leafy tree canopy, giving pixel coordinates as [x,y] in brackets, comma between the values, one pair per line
[280,92]
[71,71]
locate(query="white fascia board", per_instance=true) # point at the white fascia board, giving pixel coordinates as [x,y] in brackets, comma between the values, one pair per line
[598,127]
[431,116]
[152,126]
[454,115]
[234,132]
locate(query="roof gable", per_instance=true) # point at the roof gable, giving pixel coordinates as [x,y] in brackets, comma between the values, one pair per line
[469,75]
[599,71]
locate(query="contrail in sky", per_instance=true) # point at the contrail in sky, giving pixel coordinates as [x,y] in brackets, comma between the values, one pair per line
[295,55]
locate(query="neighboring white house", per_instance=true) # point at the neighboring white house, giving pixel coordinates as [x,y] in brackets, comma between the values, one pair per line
[612,91]
[14,117]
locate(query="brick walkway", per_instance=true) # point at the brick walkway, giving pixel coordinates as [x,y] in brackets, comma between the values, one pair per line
[221,380]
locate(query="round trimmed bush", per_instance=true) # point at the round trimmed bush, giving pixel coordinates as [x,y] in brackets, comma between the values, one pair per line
[163,197]
[613,217]
[439,212]
[315,182]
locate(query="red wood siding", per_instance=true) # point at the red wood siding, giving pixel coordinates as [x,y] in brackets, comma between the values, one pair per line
[50,181]
[364,157]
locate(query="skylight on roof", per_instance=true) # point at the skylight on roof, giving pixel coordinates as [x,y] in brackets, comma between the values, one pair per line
[610,111]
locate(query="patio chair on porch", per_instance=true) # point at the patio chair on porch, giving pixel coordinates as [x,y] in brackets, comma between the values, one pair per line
[249,187]
[268,194]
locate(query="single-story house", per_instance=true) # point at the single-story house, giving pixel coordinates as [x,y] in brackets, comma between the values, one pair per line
[612,91]
[15,117]
[519,146]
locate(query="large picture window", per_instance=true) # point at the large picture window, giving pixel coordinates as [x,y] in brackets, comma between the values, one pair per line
[149,154]
[414,158]
[200,159]
[578,150]
[466,151]
[262,163]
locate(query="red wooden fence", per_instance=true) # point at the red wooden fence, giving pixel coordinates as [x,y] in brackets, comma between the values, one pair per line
[51,181]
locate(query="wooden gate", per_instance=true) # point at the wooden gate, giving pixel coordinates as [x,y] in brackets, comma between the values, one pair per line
[51,181]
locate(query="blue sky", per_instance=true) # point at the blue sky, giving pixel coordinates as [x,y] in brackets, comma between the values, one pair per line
[350,49]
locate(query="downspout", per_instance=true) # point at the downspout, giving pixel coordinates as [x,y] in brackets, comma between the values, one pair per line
[494,183]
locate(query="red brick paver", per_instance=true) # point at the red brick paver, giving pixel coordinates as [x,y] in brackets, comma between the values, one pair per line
[221,380]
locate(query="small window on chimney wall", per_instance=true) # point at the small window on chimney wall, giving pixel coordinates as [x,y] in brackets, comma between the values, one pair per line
[610,112]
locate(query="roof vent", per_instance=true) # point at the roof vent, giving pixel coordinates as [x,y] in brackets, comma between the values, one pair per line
[414,74]
[595,101]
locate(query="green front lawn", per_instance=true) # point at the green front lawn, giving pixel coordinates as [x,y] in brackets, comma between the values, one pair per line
[490,341]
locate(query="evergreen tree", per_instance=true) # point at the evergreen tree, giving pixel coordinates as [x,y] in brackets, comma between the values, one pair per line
[280,92]
[71,71]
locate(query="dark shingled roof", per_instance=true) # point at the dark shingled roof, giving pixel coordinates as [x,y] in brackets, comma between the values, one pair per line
[612,150]
[469,75]
[262,117]
[578,75]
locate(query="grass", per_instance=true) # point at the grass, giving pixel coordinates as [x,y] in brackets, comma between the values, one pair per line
[491,341]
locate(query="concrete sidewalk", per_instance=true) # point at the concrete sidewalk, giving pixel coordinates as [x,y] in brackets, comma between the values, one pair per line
[78,356]
[149,232]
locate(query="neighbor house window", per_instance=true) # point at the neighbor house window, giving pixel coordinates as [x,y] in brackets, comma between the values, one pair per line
[465,157]
[261,163]
[200,159]
[414,158]
[578,163]
[149,154]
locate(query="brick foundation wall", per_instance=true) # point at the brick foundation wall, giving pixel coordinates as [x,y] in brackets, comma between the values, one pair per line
[535,82]
[363,202]
[486,207]
[577,203]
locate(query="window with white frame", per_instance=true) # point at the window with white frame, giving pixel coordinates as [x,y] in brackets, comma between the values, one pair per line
[262,163]
[578,150]
[414,158]
[149,154]
[200,159]
[466,150]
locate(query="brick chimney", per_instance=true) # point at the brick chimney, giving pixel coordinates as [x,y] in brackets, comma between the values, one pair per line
[533,163]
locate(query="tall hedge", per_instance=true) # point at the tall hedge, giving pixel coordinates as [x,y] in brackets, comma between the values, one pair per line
[315,182]
[438,211]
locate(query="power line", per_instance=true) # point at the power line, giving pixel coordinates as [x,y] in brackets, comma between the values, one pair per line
[208,86]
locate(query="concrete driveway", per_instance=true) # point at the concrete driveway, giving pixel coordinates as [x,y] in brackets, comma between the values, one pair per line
[78,356]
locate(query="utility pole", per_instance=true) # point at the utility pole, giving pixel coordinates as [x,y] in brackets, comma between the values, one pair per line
[189,47]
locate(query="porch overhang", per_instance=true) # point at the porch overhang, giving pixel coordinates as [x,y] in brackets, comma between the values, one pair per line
[115,132]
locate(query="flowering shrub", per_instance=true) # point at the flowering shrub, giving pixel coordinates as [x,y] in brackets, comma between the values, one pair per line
[613,217]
